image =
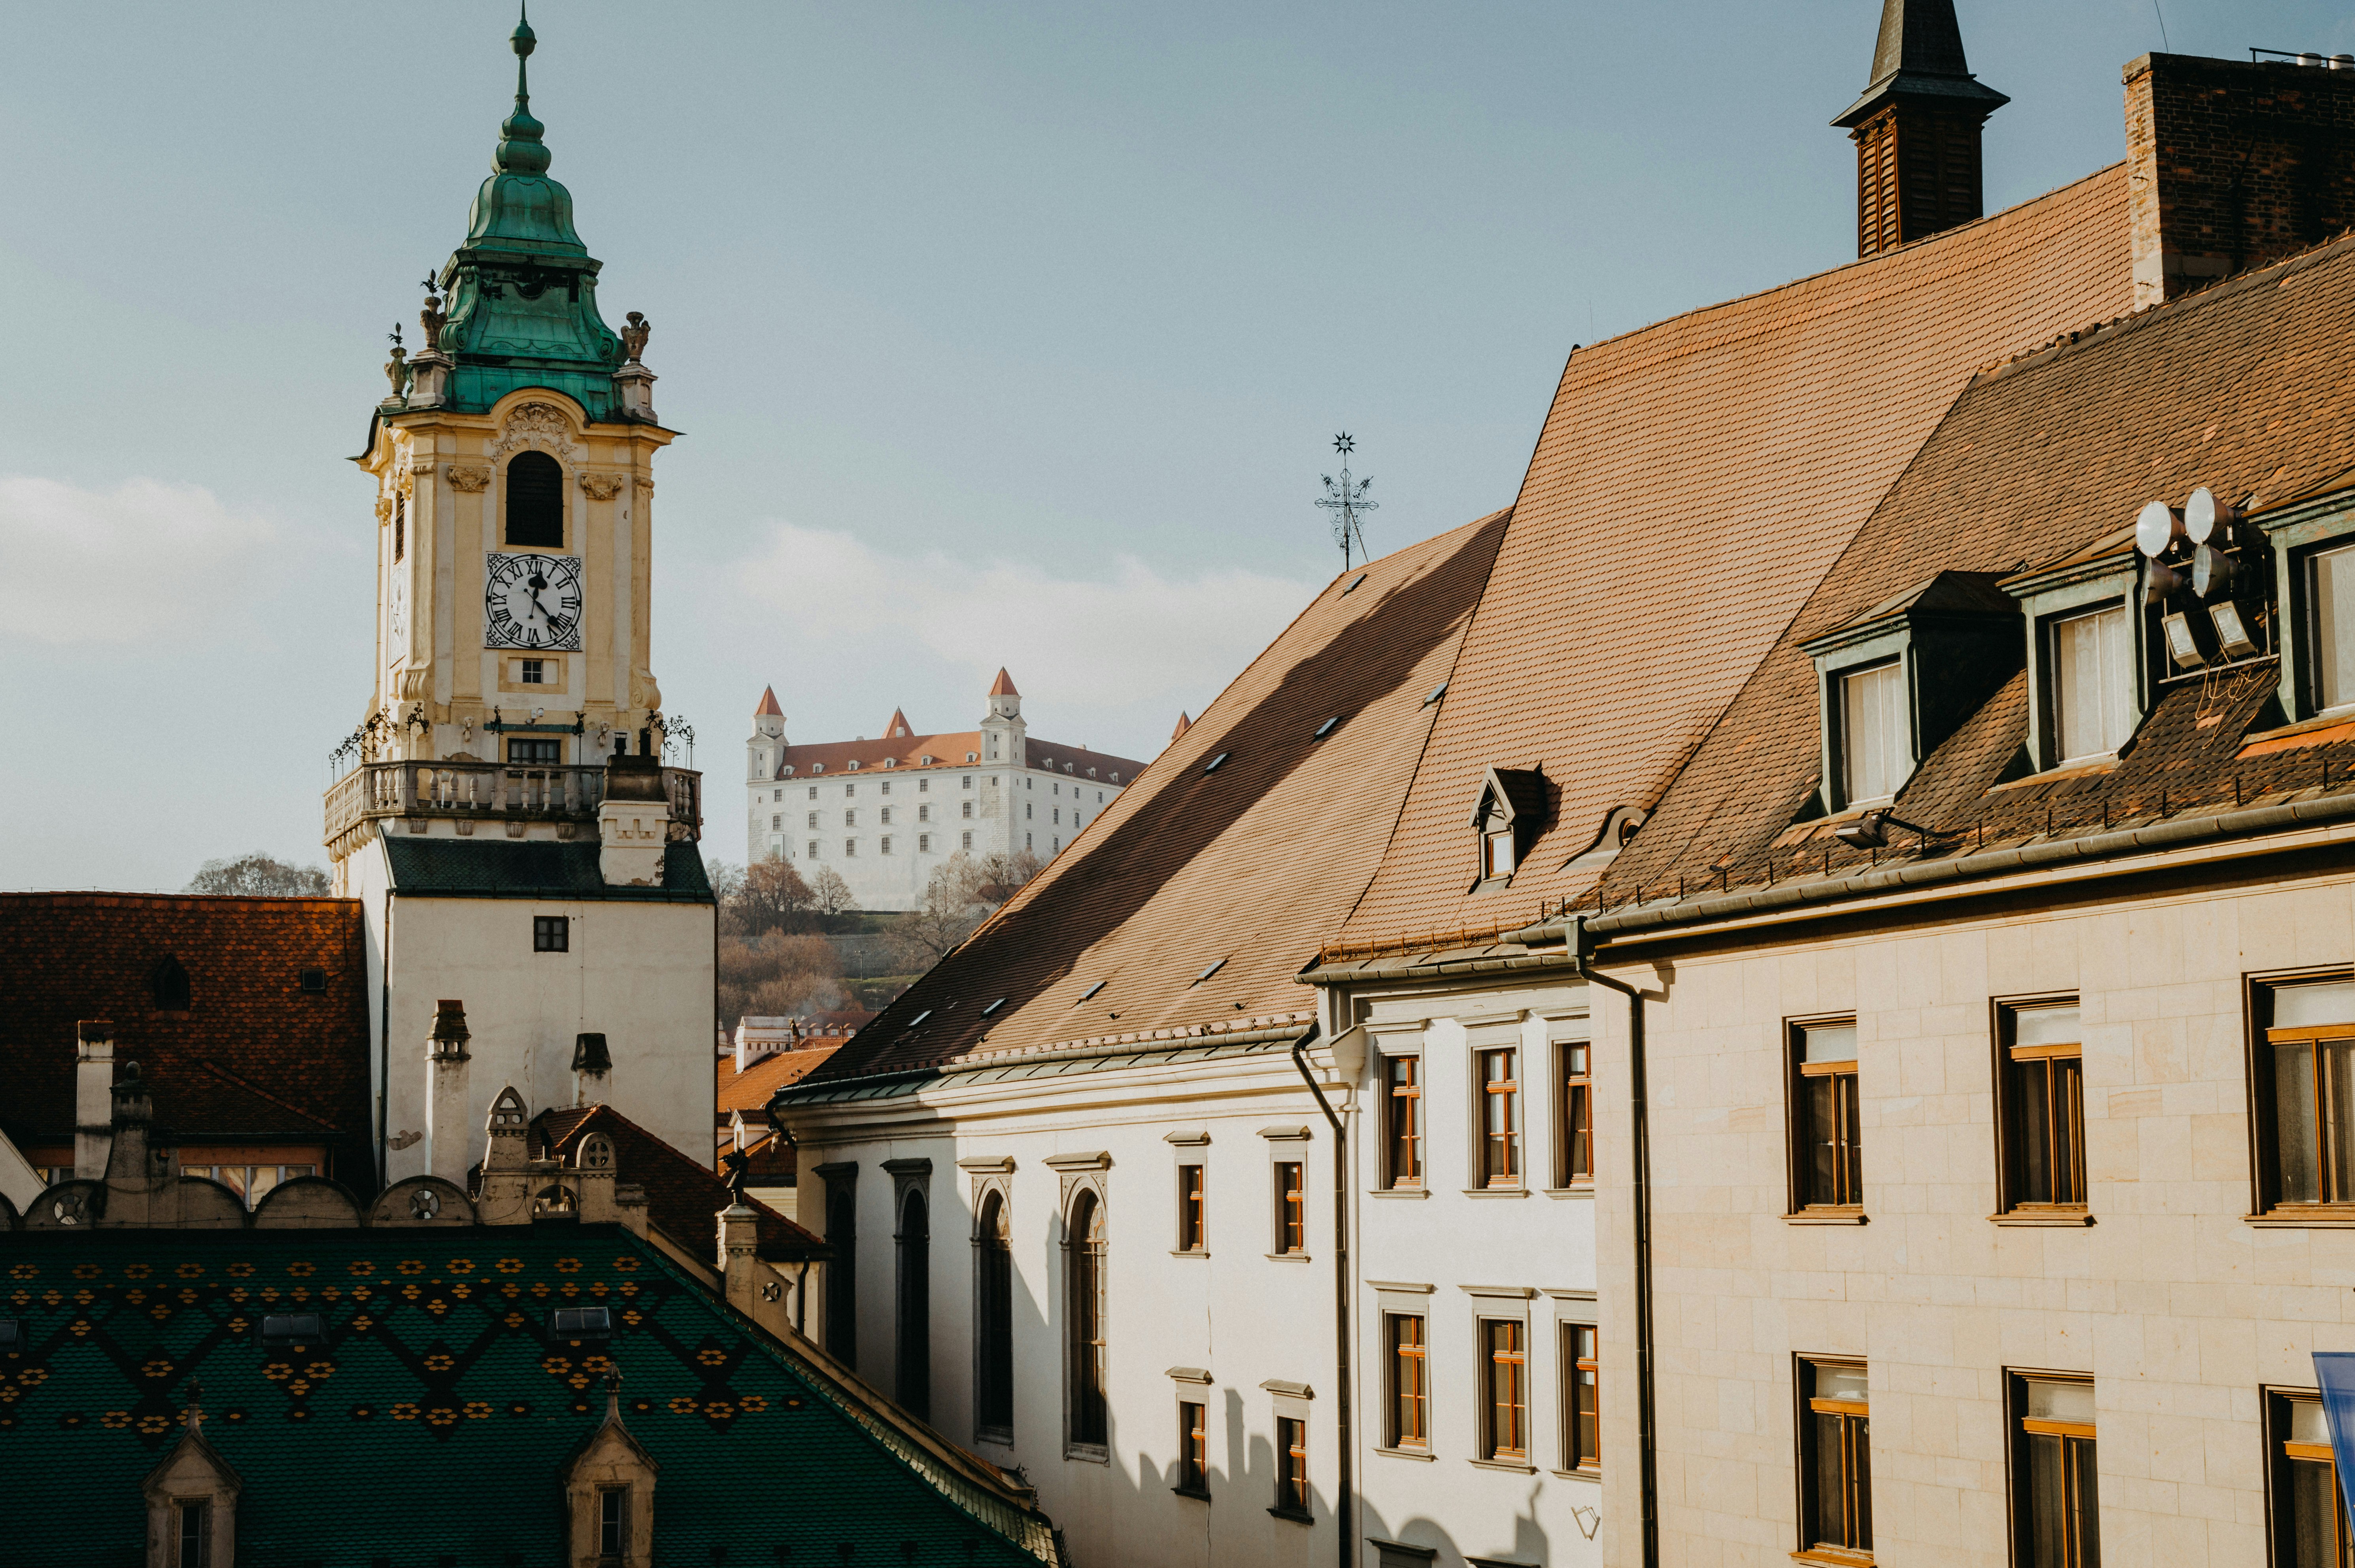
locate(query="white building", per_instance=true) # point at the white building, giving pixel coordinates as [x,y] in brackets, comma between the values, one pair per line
[886,813]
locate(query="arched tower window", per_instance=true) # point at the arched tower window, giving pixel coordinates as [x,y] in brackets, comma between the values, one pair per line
[842,1275]
[994,1322]
[912,1377]
[535,494]
[1083,1320]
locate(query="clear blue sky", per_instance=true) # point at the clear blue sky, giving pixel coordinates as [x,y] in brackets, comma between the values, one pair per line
[1008,334]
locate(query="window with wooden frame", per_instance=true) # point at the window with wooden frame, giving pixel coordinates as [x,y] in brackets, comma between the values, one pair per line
[1403,1122]
[1407,1346]
[1085,1362]
[1500,1118]
[1291,1207]
[1291,1468]
[1192,1219]
[1193,1449]
[2056,1508]
[1574,1109]
[994,1321]
[1827,1143]
[2309,1518]
[2305,1092]
[1582,1400]
[1835,1462]
[1505,1389]
[2040,1105]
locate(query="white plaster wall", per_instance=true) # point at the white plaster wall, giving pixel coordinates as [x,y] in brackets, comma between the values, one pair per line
[2179,1306]
[1242,1314]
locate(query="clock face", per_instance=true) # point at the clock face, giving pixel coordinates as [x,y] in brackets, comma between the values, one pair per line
[532,602]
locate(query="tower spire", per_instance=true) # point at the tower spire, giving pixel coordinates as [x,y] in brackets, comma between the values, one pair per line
[1916,129]
[521,150]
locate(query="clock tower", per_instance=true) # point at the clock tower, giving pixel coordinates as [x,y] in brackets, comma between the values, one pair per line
[504,811]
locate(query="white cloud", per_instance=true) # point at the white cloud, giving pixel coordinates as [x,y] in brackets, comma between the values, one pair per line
[1134,643]
[142,560]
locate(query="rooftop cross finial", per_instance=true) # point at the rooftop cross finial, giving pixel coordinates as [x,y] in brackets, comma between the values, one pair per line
[1347,498]
[521,152]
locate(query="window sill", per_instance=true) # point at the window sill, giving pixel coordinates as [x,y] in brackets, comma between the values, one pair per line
[1293,1514]
[1195,1492]
[1000,1436]
[1288,1257]
[1833,1555]
[1188,1253]
[1828,1217]
[1570,1191]
[2309,1217]
[2066,1218]
[1594,1474]
[1519,1467]
[1421,1455]
[1398,1192]
[1087,1452]
[1496,1192]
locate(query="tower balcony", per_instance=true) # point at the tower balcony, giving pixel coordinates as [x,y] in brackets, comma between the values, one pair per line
[551,802]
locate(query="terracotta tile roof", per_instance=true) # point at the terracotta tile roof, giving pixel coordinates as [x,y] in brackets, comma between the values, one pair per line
[1242,865]
[768,708]
[948,751]
[254,1058]
[1693,482]
[750,1089]
[2241,387]
[682,1197]
[1004,685]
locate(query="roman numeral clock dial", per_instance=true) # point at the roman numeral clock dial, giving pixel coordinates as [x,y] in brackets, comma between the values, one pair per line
[532,602]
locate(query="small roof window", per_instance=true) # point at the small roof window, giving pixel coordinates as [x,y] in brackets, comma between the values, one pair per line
[853,764]
[581,1325]
[993,1006]
[920,1017]
[1213,765]
[313,981]
[1353,585]
[1436,693]
[1092,990]
[1326,728]
[1211,971]
[292,1329]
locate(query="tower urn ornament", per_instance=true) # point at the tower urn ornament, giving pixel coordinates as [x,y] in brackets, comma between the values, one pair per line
[635,335]
[431,320]
[396,369]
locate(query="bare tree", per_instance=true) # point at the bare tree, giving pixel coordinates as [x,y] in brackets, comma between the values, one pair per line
[999,877]
[727,880]
[778,975]
[772,897]
[829,894]
[259,874]
[952,906]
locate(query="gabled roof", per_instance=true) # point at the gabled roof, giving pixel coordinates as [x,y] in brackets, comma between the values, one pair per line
[1240,866]
[253,1058]
[1693,482]
[682,1197]
[750,1089]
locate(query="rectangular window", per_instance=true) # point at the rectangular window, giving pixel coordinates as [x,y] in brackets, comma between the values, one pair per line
[533,753]
[1291,1207]
[535,672]
[551,934]
[1500,1118]
[1574,1158]
[1190,1220]
[1872,732]
[195,1520]
[1410,1379]
[924,812]
[2043,1107]
[1496,852]
[1581,1403]
[887,812]
[1505,1365]
[2054,1504]
[849,848]
[968,842]
[813,849]
[887,844]
[968,805]
[813,819]
[1827,1145]
[1835,1461]
[1403,1124]
[2309,1527]
[2092,683]
[2305,1091]
[2331,594]
[850,818]
[1193,1449]
[776,821]
[813,789]
[613,1522]
[923,843]
[1291,1467]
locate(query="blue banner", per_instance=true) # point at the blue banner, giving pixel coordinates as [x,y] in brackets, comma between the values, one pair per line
[2334,1374]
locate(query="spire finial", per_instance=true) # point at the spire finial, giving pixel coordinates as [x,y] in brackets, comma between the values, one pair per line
[520,150]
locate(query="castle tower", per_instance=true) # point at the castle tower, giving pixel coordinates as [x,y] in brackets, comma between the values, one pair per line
[513,700]
[1003,733]
[1916,129]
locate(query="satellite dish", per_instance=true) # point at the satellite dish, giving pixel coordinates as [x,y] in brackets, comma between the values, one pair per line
[2205,517]
[2158,526]
[2212,571]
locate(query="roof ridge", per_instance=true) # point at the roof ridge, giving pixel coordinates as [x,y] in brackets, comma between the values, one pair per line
[209,1065]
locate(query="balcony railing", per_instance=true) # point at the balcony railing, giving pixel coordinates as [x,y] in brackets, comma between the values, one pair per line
[490,791]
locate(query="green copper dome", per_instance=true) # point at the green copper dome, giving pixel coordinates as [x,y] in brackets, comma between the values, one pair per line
[522,290]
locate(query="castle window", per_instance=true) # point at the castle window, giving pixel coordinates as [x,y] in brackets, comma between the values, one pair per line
[776,822]
[968,808]
[923,843]
[551,934]
[849,848]
[968,841]
[813,819]
[535,497]
[813,789]
[924,813]
[850,819]
[886,783]
[887,817]
[535,672]
[887,843]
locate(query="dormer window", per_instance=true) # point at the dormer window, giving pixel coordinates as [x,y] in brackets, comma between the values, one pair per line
[2091,653]
[2331,618]
[2092,682]
[1875,754]
[1508,816]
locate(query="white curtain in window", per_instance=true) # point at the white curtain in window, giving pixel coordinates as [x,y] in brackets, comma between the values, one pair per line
[2334,627]
[1873,732]
[2093,682]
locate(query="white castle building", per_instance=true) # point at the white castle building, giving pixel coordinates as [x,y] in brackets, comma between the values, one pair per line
[886,813]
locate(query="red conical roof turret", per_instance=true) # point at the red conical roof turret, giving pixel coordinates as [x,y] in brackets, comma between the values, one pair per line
[1004,685]
[1184,724]
[768,704]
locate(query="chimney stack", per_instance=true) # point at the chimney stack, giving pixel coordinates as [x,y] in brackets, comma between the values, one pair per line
[93,1103]
[592,1069]
[1916,129]
[446,1133]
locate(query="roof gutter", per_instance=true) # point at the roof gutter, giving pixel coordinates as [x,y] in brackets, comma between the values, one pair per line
[2175,833]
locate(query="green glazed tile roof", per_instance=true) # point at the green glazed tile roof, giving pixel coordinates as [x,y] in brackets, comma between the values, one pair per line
[434,1424]
[533,868]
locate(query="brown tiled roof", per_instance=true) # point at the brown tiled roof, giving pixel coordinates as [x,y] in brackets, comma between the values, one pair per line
[768,704]
[1693,482]
[2244,388]
[682,1197]
[948,751]
[254,1058]
[1244,865]
[750,1089]
[1004,685]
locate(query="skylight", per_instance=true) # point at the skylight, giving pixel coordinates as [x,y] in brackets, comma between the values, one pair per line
[1213,765]
[1092,990]
[1353,585]
[920,1017]
[1326,728]
[1211,971]
[1436,693]
[993,1006]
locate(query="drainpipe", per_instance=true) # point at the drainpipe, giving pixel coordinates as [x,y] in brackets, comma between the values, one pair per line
[1345,1498]
[1647,1414]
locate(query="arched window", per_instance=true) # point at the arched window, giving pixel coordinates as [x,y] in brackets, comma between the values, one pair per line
[1084,1318]
[912,1377]
[536,501]
[994,1322]
[842,1275]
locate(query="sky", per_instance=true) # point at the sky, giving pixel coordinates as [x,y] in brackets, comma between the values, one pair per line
[998,335]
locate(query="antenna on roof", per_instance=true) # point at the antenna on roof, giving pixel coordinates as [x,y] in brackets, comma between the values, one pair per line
[1345,499]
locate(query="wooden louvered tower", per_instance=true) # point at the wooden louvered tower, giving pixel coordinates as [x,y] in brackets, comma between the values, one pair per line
[1916,129]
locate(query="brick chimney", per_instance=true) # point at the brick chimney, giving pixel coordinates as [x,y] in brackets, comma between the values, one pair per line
[2234,163]
[1916,129]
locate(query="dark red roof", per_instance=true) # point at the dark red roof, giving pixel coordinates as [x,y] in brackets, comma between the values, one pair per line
[253,1057]
[684,1198]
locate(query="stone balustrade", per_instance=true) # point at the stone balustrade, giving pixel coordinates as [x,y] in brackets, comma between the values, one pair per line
[500,791]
